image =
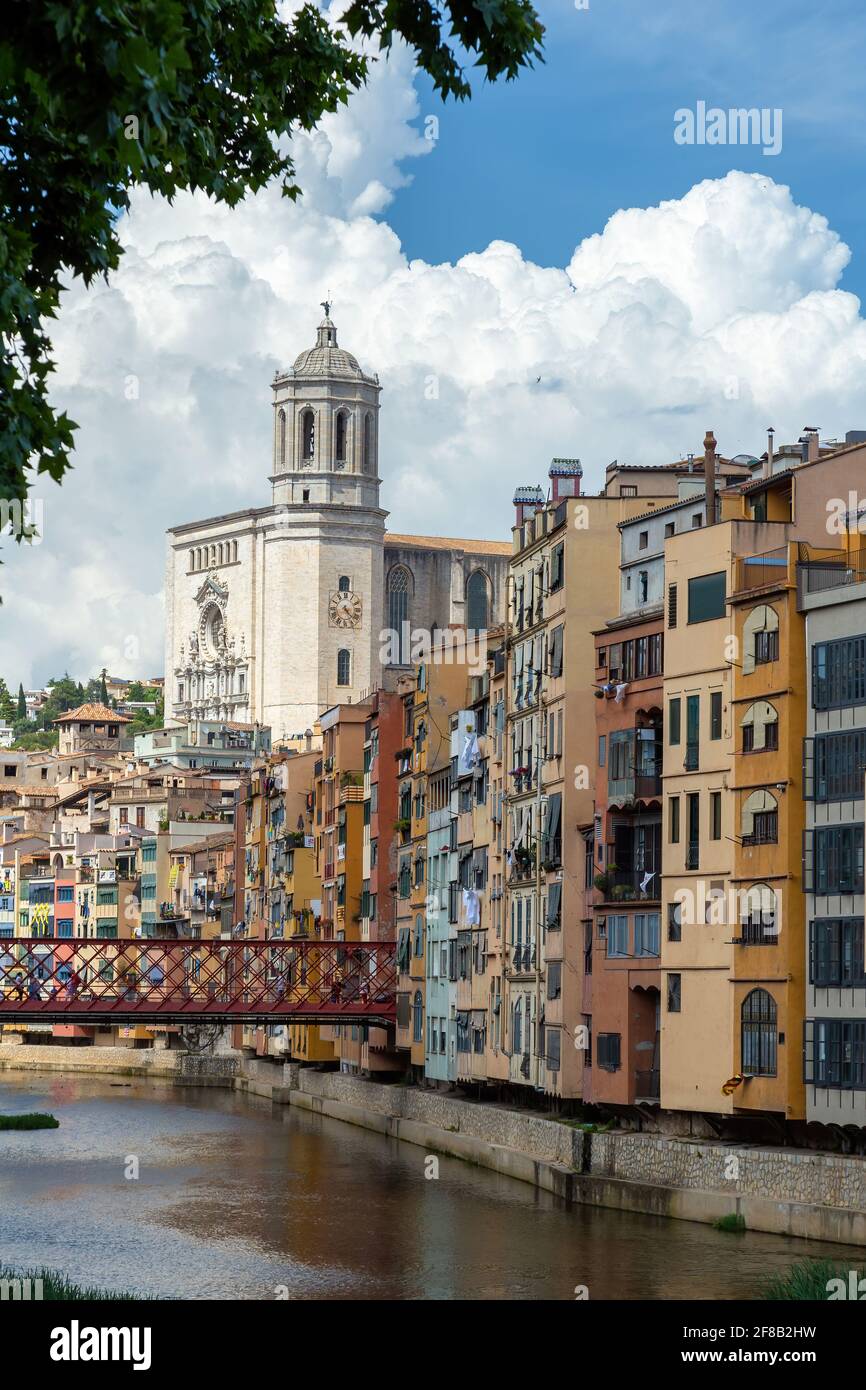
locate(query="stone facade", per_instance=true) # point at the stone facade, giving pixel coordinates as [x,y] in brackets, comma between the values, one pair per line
[274,614]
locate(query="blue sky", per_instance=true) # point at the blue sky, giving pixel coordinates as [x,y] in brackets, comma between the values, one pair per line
[546,160]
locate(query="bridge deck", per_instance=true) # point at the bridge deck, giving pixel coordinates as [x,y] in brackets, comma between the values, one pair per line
[140,980]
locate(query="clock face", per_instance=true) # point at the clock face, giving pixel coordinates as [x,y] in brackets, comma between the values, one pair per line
[345,609]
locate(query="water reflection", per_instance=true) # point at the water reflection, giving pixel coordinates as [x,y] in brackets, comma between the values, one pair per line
[235,1199]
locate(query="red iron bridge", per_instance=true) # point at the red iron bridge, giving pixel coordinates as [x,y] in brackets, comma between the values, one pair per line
[139,980]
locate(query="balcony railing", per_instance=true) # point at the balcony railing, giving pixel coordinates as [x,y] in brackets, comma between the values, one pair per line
[693,851]
[630,885]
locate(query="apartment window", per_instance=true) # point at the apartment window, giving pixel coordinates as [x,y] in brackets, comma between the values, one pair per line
[839,764]
[758,1033]
[675,993]
[672,605]
[707,597]
[617,935]
[715,815]
[556,651]
[643,540]
[675,922]
[715,714]
[674,820]
[669,529]
[607,1051]
[642,586]
[758,916]
[837,853]
[557,560]
[654,659]
[553,1048]
[766,647]
[759,821]
[760,726]
[674,721]
[697,520]
[628,490]
[839,673]
[647,934]
[554,979]
[835,1053]
[602,740]
[693,808]
[693,732]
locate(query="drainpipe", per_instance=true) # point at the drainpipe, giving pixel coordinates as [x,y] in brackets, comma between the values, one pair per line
[710,477]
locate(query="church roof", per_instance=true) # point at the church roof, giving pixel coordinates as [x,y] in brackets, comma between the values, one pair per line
[449,543]
[326,358]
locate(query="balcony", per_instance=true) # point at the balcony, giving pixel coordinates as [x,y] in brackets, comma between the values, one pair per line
[643,786]
[629,885]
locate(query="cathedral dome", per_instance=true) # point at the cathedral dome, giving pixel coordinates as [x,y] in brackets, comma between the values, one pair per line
[326,358]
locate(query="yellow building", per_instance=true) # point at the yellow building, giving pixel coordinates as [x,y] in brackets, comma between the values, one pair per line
[768,930]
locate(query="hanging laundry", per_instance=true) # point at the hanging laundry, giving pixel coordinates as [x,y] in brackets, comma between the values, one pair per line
[620,692]
[471,907]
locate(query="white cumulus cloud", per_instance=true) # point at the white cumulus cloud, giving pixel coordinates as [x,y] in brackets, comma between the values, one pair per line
[718,309]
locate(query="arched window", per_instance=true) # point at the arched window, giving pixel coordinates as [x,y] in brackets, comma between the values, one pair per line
[758,915]
[281,438]
[308,435]
[343,584]
[758,1024]
[760,637]
[344,666]
[340,446]
[367,452]
[417,1017]
[759,819]
[477,601]
[399,590]
[760,725]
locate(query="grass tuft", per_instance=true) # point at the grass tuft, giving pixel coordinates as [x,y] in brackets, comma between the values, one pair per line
[807,1282]
[734,1221]
[56,1289]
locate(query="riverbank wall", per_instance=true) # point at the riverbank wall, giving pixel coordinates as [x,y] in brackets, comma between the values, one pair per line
[815,1196]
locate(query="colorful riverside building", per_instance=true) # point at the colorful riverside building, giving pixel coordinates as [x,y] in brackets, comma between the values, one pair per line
[383,736]
[833,600]
[733,950]
[565,582]
[339,840]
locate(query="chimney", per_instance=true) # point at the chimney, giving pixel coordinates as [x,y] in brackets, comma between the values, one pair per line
[768,473]
[527,501]
[710,477]
[565,476]
[813,443]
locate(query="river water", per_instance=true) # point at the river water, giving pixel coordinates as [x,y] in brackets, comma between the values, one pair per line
[237,1199]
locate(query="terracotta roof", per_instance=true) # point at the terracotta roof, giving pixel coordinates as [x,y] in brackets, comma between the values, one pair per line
[92,713]
[449,543]
[222,837]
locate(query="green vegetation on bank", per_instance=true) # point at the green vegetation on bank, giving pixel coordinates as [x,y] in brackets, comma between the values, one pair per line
[36,1120]
[732,1222]
[56,1289]
[815,1281]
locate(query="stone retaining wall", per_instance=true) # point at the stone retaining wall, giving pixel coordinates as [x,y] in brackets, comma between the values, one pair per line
[782,1175]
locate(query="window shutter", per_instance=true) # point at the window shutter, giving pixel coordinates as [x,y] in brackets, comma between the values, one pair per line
[672,605]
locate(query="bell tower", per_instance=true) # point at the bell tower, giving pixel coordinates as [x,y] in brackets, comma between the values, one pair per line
[326,427]
[323,539]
